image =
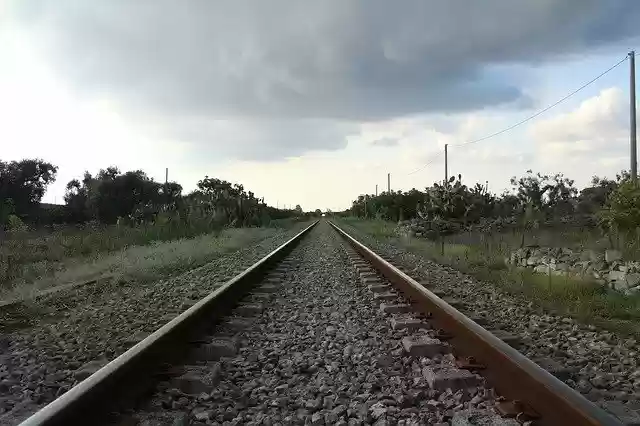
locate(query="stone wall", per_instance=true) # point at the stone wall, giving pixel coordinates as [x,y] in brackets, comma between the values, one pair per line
[606,268]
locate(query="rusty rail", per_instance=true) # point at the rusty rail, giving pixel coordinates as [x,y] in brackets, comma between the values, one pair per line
[130,375]
[511,373]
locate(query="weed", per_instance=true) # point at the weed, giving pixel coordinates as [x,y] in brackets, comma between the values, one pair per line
[583,299]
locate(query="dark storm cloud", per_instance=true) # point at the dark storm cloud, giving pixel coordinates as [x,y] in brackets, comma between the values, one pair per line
[340,60]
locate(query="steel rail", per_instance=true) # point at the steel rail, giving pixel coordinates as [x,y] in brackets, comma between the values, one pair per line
[512,374]
[128,376]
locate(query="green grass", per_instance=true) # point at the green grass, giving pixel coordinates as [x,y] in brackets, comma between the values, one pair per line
[583,300]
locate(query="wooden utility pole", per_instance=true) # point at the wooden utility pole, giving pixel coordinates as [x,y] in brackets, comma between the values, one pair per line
[376,189]
[632,115]
[446,164]
[389,183]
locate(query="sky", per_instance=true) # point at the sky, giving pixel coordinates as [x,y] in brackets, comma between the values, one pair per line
[314,102]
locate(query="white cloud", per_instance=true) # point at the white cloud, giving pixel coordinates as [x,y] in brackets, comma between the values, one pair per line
[592,139]
[598,123]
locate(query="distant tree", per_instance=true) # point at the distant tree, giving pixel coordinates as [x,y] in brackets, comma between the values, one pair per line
[298,209]
[111,195]
[622,210]
[22,185]
[545,194]
[318,212]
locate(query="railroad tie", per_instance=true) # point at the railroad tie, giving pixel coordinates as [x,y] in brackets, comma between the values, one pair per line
[197,379]
[554,367]
[379,288]
[474,416]
[424,346]
[249,309]
[478,319]
[236,324]
[267,288]
[371,281]
[454,303]
[399,308]
[508,338]
[215,350]
[408,323]
[444,377]
[386,296]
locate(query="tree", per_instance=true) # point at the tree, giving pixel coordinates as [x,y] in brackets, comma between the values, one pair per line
[545,194]
[298,209]
[111,195]
[318,212]
[622,211]
[22,185]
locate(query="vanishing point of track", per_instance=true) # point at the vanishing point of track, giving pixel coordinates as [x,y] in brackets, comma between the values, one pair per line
[422,361]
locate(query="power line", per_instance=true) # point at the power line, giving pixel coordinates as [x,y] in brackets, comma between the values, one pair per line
[425,165]
[544,109]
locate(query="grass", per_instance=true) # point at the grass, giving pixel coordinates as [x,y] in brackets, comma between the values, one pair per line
[74,256]
[573,296]
[32,255]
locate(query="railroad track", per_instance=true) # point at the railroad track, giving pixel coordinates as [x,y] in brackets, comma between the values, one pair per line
[322,331]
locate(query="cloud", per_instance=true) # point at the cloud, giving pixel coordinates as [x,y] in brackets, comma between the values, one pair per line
[358,60]
[267,80]
[256,139]
[386,142]
[598,126]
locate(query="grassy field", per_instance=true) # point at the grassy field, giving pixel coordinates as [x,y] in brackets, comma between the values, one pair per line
[31,262]
[582,300]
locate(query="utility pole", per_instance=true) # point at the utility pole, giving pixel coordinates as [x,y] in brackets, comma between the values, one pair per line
[632,117]
[446,164]
[365,205]
[376,189]
[389,183]
[166,176]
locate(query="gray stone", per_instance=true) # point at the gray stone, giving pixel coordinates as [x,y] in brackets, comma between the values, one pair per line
[611,255]
[617,276]
[475,417]
[633,279]
[541,269]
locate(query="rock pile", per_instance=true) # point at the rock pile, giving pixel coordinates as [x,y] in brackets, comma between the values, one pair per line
[606,268]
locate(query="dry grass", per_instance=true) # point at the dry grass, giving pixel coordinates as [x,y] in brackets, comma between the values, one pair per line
[140,262]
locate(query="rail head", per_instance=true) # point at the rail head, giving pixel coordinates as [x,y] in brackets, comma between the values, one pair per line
[507,369]
[85,403]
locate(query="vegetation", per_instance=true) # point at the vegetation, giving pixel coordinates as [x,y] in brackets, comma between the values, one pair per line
[112,211]
[585,301]
[537,204]
[474,230]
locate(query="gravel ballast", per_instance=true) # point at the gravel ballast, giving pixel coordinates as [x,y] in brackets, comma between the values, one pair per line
[601,365]
[321,352]
[77,331]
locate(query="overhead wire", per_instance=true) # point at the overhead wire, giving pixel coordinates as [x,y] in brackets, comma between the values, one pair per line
[542,111]
[529,118]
